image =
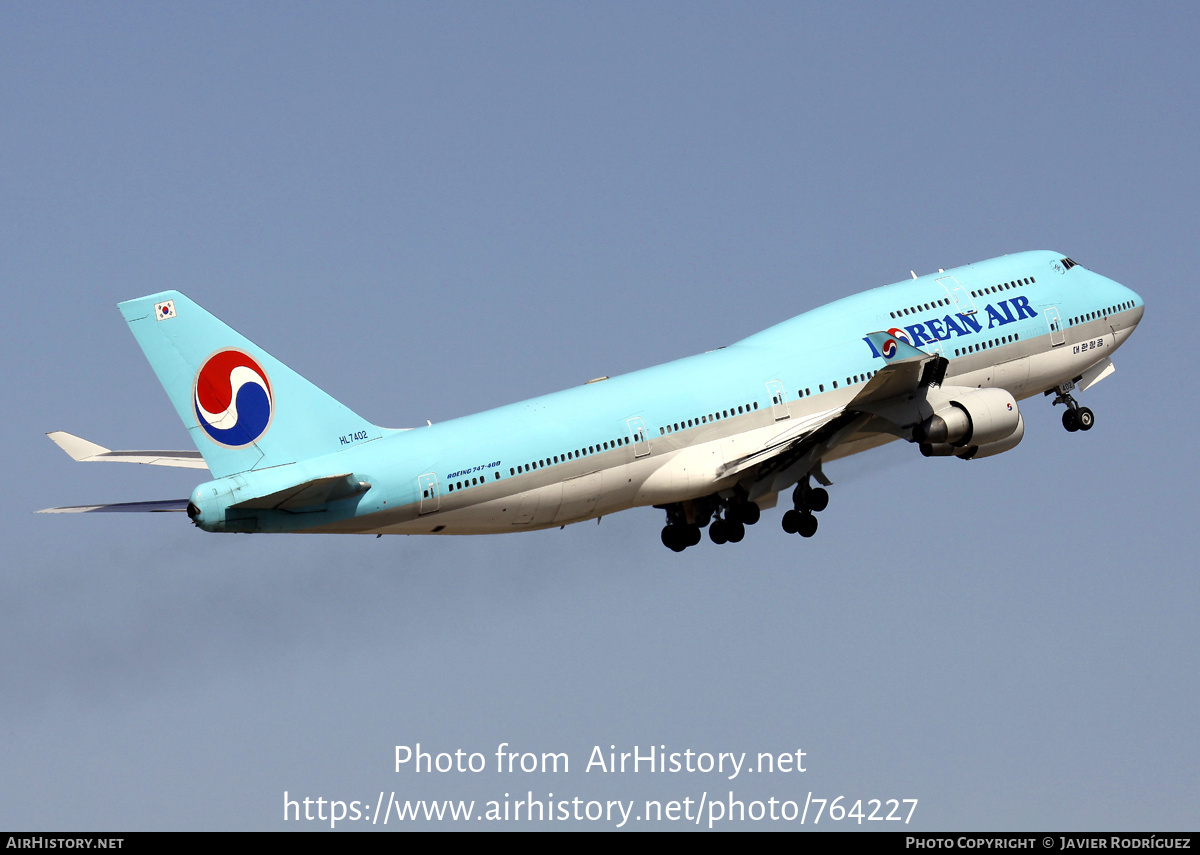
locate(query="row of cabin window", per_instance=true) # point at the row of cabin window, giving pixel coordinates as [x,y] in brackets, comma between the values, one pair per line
[984,345]
[1091,316]
[1004,286]
[850,381]
[925,307]
[672,428]
[570,455]
[857,378]
[920,307]
[703,420]
[459,485]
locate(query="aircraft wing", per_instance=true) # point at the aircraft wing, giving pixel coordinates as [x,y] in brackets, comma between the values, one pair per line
[794,437]
[89,452]
[806,442]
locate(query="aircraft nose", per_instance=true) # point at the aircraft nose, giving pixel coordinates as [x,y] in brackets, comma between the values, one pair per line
[1139,309]
[1132,309]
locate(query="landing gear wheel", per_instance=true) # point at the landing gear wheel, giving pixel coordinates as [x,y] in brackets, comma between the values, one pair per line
[672,539]
[736,532]
[807,525]
[750,513]
[718,532]
[1076,417]
[805,498]
[791,522]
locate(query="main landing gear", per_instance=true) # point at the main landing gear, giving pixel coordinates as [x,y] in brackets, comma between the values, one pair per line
[729,518]
[679,537]
[808,501]
[731,528]
[1075,417]
[679,533]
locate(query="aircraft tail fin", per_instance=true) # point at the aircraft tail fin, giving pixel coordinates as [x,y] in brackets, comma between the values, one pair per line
[243,408]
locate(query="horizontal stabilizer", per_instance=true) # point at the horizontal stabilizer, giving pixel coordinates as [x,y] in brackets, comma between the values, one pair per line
[89,452]
[318,491]
[123,508]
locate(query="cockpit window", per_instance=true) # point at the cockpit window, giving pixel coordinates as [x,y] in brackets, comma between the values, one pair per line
[1069,263]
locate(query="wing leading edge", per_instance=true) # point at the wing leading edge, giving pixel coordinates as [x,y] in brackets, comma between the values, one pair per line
[802,446]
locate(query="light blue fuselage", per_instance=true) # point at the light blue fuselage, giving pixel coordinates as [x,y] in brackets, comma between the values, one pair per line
[660,436]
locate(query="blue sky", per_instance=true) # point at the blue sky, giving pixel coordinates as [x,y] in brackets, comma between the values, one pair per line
[430,209]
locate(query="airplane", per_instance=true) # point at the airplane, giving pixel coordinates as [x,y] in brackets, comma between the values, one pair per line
[712,440]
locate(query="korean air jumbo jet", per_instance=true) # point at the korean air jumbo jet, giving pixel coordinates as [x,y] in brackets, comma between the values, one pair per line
[939,361]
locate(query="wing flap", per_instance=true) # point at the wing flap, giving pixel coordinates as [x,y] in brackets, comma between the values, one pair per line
[780,443]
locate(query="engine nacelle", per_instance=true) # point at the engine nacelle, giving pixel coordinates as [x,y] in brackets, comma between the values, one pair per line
[975,452]
[978,418]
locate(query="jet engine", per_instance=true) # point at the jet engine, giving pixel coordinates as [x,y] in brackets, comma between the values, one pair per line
[975,452]
[979,418]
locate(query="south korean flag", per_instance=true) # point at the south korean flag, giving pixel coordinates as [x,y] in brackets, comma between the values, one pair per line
[166,310]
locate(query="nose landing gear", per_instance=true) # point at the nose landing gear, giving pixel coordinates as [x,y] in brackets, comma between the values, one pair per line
[1075,417]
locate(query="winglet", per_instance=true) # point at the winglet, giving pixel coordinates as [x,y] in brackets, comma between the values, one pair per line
[894,345]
